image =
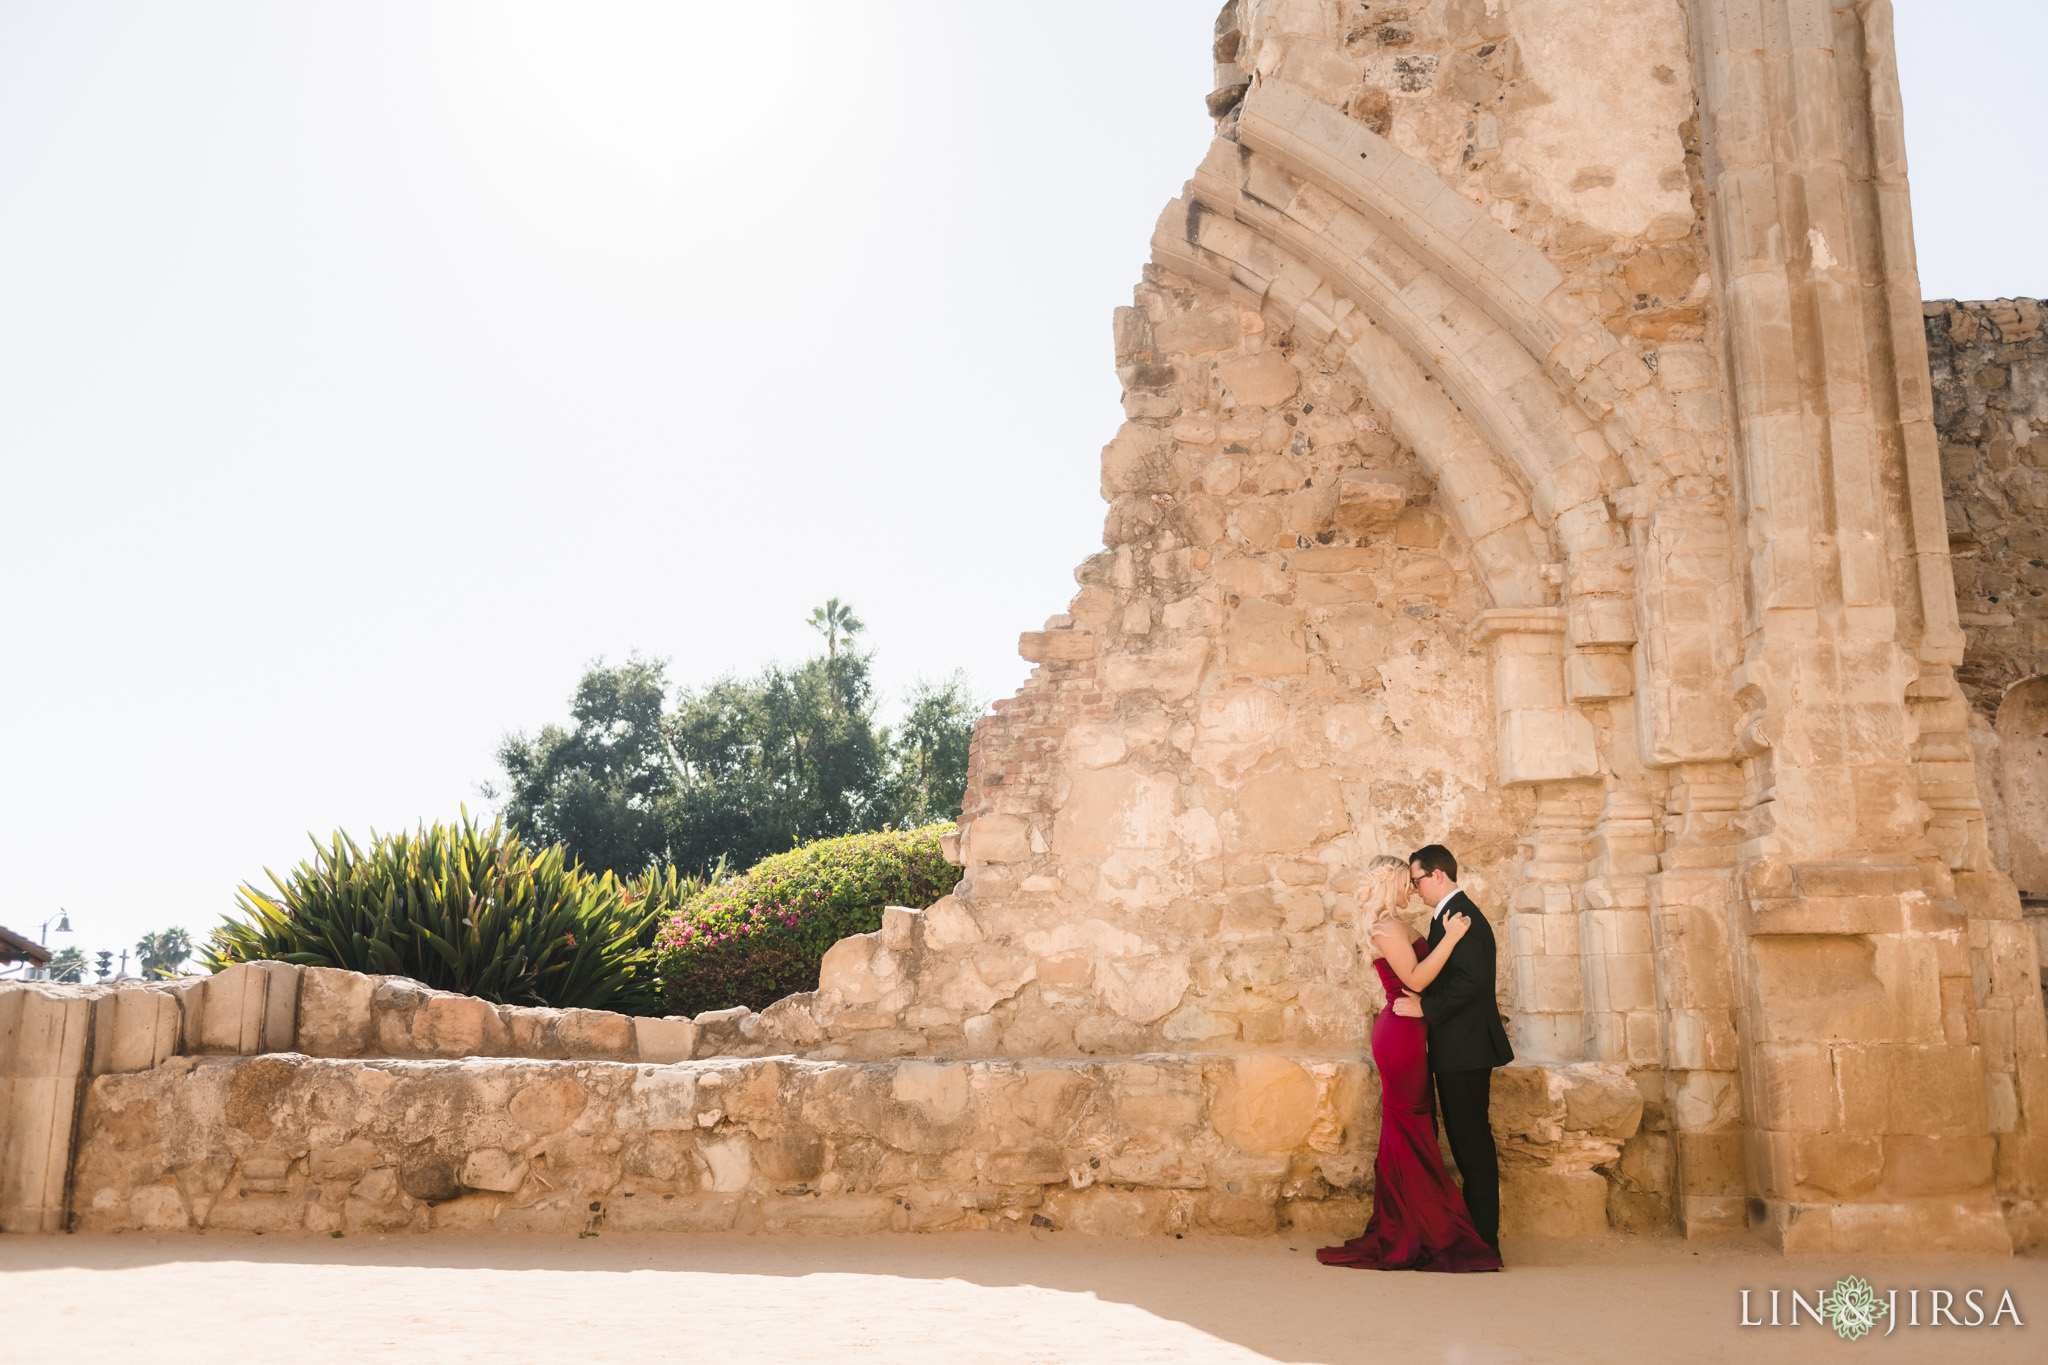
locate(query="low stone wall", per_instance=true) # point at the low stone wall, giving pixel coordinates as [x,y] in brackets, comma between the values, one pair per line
[273,1097]
[56,1040]
[1144,1146]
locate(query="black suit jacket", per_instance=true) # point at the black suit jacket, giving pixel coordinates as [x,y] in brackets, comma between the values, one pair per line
[1465,1032]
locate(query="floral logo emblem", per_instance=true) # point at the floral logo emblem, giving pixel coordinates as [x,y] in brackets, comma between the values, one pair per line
[1852,1309]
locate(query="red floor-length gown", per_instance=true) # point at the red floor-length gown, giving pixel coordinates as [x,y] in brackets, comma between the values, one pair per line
[1418,1219]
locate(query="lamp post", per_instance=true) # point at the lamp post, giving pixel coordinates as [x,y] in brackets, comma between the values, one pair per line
[62,919]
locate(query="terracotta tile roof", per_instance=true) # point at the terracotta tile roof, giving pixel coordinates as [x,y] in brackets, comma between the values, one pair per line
[15,948]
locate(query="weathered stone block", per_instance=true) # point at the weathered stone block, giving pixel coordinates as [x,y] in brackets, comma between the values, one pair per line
[44,1034]
[228,1011]
[1144,989]
[670,1039]
[1552,1203]
[1098,1212]
[674,1213]
[335,1013]
[1170,672]
[135,1029]
[451,1026]
[595,1034]
[1285,809]
[1597,677]
[1264,1104]
[1266,640]
[1367,507]
[999,839]
[1065,646]
[1916,1165]
[1261,381]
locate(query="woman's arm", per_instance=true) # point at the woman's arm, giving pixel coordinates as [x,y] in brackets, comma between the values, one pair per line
[1392,941]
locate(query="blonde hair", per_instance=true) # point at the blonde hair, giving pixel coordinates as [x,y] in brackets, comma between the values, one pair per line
[1385,891]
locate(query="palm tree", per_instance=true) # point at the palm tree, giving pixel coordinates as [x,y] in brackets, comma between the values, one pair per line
[832,621]
[161,955]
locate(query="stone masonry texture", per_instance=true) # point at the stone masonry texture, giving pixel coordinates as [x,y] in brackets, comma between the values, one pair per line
[1535,442]
[1990,371]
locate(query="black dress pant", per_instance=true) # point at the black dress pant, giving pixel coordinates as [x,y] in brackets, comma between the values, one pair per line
[1462,1098]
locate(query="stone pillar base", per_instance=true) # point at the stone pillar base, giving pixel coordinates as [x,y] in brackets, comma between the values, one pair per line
[1712,1215]
[2026,1221]
[1905,1226]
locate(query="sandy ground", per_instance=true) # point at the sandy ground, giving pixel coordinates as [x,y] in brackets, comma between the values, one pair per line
[298,1300]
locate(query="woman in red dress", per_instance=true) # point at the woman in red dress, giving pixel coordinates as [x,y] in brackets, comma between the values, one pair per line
[1418,1219]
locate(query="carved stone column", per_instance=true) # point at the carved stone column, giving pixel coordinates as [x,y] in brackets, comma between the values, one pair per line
[1548,744]
[1867,1118]
[1691,902]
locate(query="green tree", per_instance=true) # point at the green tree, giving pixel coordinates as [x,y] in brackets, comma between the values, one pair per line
[737,770]
[162,954]
[598,789]
[784,757]
[67,964]
[928,753]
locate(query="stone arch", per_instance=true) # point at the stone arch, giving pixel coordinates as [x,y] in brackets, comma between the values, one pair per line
[1308,209]
[1560,457]
[1542,737]
[1485,262]
[1485,500]
[1482,312]
[1470,306]
[2022,726]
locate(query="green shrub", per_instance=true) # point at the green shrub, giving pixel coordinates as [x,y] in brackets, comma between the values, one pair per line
[464,909]
[759,936]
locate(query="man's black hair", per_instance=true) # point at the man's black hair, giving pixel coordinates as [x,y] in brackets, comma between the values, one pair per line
[1435,858]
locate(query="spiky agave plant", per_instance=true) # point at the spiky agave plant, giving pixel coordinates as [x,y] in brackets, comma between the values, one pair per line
[466,909]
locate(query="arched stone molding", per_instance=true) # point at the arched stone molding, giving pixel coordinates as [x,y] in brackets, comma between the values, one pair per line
[1409,252]
[1409,202]
[1485,500]
[1390,351]
[1563,459]
[1542,738]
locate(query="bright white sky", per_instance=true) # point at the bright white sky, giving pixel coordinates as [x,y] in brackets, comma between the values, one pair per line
[366,370]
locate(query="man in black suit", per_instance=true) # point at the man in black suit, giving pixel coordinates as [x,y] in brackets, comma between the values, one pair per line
[1466,1040]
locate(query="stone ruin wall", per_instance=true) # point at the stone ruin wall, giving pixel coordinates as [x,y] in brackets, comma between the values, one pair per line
[1990,367]
[1990,370]
[1524,451]
[1732,759]
[1281,684]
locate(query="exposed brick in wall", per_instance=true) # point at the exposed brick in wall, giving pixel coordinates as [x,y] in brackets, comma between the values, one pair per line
[1012,764]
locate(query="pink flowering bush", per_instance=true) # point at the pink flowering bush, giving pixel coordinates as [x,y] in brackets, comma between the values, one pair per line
[754,938]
